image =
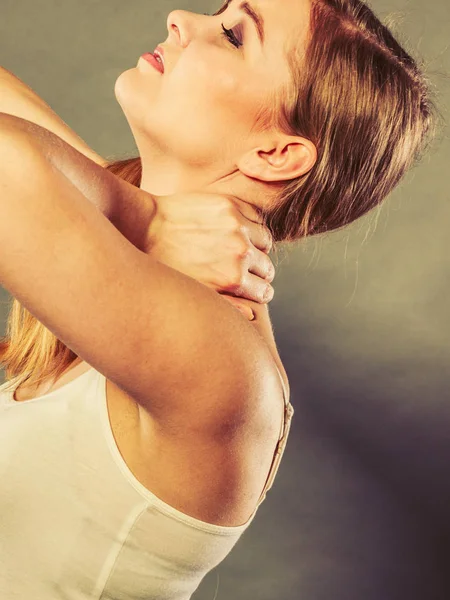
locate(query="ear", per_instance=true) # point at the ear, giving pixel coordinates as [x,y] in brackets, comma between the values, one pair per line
[286,158]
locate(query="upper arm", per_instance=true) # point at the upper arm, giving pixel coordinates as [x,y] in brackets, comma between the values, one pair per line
[18,99]
[172,344]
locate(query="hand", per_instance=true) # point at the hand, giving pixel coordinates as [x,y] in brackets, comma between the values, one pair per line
[217,240]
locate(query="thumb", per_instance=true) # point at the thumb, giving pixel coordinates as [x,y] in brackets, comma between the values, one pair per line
[243,308]
[247,312]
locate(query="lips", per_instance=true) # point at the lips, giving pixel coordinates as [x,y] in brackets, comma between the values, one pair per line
[159,55]
[151,58]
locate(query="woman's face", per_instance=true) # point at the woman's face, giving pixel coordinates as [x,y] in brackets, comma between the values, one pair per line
[200,112]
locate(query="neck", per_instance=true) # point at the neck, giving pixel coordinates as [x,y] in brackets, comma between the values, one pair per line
[163,177]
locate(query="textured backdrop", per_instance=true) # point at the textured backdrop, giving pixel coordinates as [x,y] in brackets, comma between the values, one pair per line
[361,506]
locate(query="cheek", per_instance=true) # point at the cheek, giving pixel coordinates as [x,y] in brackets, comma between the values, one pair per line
[206,113]
[219,96]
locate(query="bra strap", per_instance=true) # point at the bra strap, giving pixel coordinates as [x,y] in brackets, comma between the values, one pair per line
[281,444]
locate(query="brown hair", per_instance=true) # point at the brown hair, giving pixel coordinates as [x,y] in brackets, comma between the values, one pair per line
[367,107]
[357,95]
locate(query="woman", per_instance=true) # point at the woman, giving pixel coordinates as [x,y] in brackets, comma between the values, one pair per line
[319,136]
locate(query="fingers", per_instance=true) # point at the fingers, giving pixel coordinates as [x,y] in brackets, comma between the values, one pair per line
[254,288]
[258,233]
[261,265]
[259,236]
[257,290]
[250,211]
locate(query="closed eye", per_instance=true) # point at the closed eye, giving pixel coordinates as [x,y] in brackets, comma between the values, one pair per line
[227,33]
[230,35]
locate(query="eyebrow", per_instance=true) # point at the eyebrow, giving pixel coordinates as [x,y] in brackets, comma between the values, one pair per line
[256,17]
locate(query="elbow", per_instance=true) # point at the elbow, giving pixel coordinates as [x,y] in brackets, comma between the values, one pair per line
[20,154]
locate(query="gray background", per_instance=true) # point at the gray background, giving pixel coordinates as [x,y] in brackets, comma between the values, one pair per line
[361,506]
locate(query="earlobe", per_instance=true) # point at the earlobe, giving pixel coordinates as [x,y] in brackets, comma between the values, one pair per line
[290,159]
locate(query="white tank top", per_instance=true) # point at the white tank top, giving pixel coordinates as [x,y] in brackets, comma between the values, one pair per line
[75,523]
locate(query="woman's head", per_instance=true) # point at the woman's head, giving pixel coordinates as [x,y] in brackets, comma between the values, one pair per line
[198,122]
[327,115]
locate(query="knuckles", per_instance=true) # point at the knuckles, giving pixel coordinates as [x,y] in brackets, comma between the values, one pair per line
[235,281]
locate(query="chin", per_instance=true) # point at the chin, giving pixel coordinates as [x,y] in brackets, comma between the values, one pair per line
[122,87]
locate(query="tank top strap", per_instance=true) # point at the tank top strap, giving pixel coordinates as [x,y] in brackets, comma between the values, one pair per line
[281,445]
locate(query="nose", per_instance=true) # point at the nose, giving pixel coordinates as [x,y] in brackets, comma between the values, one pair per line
[178,26]
[182,25]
